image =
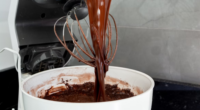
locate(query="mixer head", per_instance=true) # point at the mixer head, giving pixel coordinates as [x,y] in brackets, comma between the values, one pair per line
[69,6]
[79,6]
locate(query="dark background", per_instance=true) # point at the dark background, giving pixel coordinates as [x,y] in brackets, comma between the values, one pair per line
[9,89]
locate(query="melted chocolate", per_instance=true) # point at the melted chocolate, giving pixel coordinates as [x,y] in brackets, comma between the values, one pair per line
[98,16]
[84,93]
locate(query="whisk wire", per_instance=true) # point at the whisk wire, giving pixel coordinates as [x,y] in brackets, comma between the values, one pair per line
[66,47]
[108,50]
[92,58]
[84,35]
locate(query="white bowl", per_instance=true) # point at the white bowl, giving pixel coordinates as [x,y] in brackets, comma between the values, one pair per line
[45,79]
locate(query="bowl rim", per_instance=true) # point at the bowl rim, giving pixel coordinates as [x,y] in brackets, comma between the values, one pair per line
[85,66]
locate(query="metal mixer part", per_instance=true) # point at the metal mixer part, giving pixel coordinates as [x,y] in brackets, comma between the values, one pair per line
[73,42]
[34,24]
[73,22]
[78,6]
[110,54]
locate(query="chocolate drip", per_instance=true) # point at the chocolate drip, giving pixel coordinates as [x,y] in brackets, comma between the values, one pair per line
[98,16]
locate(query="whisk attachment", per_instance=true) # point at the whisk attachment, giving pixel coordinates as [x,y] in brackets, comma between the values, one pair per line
[103,53]
[87,48]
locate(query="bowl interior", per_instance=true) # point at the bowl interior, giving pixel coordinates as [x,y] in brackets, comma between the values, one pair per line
[44,80]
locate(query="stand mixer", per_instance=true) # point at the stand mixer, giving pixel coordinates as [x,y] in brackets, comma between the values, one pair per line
[31,27]
[32,36]
[46,53]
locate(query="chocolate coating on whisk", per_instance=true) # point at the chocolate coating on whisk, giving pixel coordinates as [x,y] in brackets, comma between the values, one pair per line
[103,54]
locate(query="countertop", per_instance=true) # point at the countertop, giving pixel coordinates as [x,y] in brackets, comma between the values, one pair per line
[167,95]
[175,96]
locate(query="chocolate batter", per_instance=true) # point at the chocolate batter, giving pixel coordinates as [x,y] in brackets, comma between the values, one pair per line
[85,93]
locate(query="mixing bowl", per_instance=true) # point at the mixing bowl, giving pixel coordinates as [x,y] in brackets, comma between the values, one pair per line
[36,85]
